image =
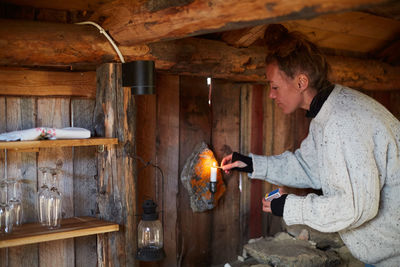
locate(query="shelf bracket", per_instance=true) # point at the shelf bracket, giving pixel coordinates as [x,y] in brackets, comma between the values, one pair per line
[100,148]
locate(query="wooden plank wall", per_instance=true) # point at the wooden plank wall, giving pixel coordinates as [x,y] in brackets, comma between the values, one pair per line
[79,193]
[264,130]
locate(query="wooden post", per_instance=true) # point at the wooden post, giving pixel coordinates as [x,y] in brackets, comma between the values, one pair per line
[114,116]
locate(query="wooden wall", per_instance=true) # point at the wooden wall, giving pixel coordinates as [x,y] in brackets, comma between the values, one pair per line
[77,181]
[241,118]
[168,126]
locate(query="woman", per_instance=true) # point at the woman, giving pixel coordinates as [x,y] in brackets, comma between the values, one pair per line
[352,153]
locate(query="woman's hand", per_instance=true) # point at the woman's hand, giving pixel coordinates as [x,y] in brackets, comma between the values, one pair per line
[227,164]
[266,205]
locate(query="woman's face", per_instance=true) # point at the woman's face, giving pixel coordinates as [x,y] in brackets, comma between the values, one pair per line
[284,90]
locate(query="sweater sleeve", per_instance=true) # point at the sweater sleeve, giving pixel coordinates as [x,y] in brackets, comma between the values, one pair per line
[351,185]
[298,169]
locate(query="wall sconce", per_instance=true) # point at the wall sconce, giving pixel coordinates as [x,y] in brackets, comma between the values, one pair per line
[150,234]
[139,76]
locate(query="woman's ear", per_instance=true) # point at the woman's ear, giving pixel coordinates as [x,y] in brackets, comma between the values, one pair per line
[302,82]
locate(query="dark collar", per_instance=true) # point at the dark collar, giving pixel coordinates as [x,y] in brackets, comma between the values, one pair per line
[318,100]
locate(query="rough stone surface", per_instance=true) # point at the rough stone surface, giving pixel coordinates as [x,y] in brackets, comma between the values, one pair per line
[290,252]
[195,177]
[323,240]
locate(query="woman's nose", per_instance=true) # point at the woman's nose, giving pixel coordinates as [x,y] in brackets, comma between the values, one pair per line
[272,94]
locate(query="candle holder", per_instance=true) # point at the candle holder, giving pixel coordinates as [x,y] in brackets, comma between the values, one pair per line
[213,179]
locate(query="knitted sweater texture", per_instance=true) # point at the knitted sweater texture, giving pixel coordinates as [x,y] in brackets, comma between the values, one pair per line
[352,153]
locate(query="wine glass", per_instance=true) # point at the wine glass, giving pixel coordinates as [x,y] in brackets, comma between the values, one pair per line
[6,211]
[14,199]
[43,194]
[53,220]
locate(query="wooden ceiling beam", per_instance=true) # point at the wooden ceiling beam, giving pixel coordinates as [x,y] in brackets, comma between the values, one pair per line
[54,45]
[82,5]
[25,82]
[244,37]
[131,23]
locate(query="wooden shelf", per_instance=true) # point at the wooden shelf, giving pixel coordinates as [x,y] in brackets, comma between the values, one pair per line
[31,145]
[72,227]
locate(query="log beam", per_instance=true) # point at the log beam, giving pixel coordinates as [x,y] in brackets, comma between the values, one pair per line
[24,82]
[134,23]
[49,44]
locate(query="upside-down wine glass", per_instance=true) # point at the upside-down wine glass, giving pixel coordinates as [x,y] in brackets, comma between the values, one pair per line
[14,200]
[53,220]
[43,194]
[6,212]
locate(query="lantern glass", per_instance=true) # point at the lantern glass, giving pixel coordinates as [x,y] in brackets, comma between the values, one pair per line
[150,234]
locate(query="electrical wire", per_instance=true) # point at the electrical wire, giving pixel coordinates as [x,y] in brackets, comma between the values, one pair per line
[102,31]
[149,163]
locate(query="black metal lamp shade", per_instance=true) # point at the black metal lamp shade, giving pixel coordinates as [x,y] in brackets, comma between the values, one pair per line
[139,76]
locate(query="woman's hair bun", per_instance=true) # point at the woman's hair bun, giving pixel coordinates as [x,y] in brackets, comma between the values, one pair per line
[275,34]
[282,42]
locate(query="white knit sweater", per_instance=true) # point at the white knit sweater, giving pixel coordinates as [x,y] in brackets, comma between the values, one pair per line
[352,153]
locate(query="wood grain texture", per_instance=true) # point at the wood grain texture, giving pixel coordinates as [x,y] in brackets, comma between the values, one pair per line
[85,182]
[21,115]
[24,82]
[195,126]
[244,37]
[59,44]
[24,145]
[270,223]
[72,227]
[256,147]
[199,17]
[3,125]
[85,5]
[225,140]
[146,121]
[245,148]
[348,31]
[167,159]
[55,112]
[83,46]
[114,116]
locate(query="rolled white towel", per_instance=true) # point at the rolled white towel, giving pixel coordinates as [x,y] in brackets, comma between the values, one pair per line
[45,133]
[71,133]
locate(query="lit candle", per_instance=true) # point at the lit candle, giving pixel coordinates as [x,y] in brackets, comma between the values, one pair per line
[213,177]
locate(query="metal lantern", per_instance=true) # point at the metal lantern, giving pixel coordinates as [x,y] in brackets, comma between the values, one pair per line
[150,234]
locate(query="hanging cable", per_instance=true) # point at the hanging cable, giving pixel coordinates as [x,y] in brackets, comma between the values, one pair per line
[102,31]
